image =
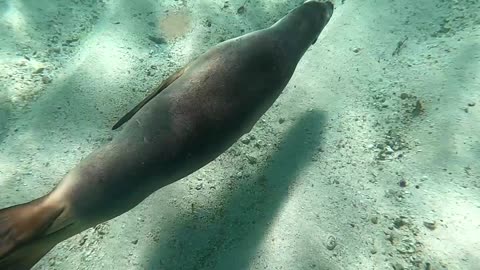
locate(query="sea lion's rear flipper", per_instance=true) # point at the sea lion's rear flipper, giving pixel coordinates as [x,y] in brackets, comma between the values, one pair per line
[22,234]
[157,90]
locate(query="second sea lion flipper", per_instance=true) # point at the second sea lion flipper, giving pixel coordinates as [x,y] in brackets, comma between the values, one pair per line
[24,237]
[155,92]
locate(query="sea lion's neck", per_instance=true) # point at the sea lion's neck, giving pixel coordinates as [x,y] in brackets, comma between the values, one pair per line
[300,34]
[300,38]
[302,26]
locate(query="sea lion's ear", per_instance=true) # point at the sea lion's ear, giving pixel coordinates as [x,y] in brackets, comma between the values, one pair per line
[314,41]
[155,92]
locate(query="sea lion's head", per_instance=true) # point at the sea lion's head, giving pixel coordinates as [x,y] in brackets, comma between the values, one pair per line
[307,20]
[325,11]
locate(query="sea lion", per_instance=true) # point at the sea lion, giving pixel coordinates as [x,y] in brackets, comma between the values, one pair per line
[188,121]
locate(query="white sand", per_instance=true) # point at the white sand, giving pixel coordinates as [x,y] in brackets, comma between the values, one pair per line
[324,163]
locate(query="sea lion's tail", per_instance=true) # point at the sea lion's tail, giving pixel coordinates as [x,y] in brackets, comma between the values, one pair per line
[23,233]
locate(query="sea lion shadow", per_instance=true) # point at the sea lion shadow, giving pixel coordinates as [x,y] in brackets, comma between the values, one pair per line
[229,238]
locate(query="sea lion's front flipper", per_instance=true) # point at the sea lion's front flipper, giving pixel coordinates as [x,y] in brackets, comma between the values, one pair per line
[155,92]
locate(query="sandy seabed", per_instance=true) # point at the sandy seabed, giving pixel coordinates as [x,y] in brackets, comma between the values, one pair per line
[368,160]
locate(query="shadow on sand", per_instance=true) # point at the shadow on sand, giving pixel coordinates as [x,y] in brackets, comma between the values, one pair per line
[229,238]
